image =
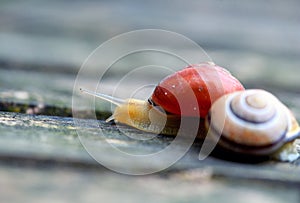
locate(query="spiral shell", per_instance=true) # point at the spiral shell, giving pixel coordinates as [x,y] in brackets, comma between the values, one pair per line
[252,122]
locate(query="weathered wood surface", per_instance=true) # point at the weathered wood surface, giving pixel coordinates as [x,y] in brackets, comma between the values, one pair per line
[54,138]
[42,46]
[65,185]
[50,145]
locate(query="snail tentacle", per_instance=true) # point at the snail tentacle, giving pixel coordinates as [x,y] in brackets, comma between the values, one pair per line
[113,100]
[116,101]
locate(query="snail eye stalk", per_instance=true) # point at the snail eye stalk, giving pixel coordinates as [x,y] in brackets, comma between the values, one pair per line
[113,100]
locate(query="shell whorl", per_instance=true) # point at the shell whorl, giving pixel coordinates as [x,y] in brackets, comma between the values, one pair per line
[254,106]
[251,121]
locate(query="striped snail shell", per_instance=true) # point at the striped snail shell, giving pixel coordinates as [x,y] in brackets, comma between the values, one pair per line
[252,122]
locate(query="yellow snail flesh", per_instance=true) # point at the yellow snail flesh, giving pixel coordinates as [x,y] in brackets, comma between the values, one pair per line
[141,115]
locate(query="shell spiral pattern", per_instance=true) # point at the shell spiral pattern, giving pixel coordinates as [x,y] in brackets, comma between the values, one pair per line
[252,122]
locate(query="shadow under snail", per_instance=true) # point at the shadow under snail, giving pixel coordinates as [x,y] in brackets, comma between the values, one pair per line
[251,122]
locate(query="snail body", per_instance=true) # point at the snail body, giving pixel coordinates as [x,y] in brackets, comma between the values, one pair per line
[144,116]
[140,114]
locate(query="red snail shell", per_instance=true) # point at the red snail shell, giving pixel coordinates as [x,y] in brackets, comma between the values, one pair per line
[251,122]
[208,82]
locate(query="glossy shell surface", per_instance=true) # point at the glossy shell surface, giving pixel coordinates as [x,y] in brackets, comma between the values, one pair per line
[207,81]
[251,121]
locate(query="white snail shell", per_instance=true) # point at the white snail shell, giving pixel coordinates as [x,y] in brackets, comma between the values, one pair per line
[252,122]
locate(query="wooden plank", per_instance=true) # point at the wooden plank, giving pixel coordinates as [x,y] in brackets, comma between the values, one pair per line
[43,138]
[44,152]
[23,184]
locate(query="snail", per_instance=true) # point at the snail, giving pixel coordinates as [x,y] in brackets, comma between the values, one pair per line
[195,87]
[252,122]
